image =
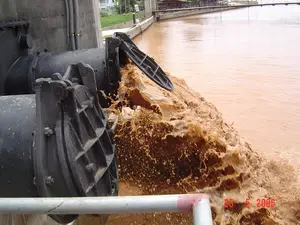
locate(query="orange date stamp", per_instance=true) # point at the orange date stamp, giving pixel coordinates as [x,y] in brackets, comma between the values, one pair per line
[259,203]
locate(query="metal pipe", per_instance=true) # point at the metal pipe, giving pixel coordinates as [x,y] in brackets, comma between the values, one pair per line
[104,205]
[17,125]
[71,24]
[22,75]
[76,23]
[202,212]
[67,23]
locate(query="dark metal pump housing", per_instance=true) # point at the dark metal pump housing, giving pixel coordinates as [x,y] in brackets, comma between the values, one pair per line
[55,136]
[56,140]
[72,127]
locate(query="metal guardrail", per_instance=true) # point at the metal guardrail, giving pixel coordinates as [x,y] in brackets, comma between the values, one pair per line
[225,6]
[197,203]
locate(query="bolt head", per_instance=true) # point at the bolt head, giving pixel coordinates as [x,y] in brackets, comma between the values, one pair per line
[48,131]
[59,91]
[49,180]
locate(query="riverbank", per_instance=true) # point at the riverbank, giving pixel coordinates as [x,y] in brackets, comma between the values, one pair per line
[133,31]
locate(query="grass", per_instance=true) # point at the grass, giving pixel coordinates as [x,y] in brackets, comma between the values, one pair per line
[115,19]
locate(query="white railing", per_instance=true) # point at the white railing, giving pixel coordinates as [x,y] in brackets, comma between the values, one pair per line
[198,204]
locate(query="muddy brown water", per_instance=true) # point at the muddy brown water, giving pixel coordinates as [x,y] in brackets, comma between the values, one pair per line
[246,62]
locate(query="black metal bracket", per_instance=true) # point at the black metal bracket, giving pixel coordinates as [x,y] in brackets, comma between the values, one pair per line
[112,63]
[143,61]
[14,23]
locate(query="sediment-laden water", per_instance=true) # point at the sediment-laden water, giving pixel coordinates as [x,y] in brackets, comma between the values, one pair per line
[177,142]
[244,62]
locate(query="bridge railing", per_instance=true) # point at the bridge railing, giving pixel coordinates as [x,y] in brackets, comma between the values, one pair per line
[164,5]
[249,3]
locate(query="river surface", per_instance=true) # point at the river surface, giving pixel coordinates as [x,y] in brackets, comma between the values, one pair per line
[246,62]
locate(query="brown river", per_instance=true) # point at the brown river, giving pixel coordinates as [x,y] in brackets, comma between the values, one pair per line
[247,63]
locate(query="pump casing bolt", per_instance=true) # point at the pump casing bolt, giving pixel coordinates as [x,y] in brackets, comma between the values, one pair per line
[48,131]
[49,180]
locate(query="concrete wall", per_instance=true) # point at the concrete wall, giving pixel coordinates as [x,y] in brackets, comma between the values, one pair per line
[95,33]
[48,22]
[139,28]
[8,10]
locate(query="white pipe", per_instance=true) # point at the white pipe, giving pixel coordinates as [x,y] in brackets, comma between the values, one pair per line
[112,205]
[100,205]
[202,212]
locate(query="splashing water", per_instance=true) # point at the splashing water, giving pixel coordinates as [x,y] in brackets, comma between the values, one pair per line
[177,142]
